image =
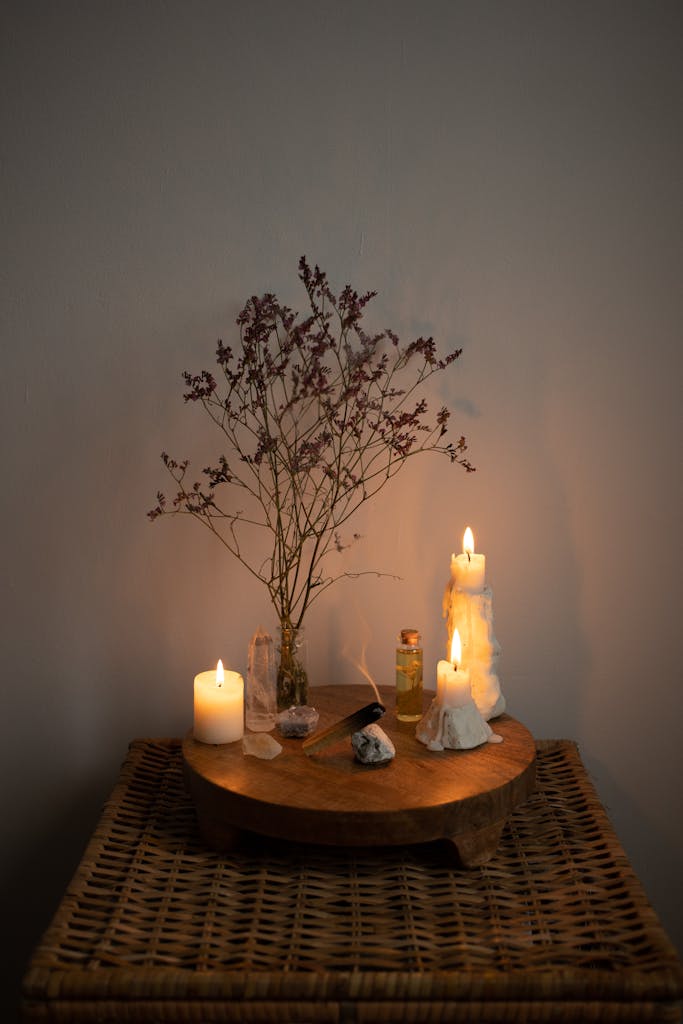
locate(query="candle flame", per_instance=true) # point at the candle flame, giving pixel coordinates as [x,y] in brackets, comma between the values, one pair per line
[456,649]
[220,676]
[468,542]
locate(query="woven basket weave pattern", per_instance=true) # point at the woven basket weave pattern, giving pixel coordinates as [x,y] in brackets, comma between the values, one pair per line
[155,927]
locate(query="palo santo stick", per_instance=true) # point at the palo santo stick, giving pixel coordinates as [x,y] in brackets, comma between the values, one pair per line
[346,727]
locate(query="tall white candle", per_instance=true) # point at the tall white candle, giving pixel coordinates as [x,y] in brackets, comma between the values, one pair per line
[468,570]
[467,606]
[218,706]
[453,688]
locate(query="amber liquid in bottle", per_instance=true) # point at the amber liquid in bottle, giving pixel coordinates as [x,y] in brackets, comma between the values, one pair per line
[409,677]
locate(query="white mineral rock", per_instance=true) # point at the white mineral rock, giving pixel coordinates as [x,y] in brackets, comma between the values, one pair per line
[458,728]
[261,745]
[372,745]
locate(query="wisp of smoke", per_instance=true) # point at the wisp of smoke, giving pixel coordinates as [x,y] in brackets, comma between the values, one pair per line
[363,668]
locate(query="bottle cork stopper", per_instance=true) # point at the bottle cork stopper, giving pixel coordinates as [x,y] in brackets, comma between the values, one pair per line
[410,636]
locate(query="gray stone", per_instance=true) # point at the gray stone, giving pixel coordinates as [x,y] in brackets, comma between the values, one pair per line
[372,745]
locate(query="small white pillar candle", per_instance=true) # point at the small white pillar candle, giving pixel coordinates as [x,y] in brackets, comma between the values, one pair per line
[218,706]
[453,688]
[468,571]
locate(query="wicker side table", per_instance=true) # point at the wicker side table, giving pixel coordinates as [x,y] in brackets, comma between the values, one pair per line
[154,927]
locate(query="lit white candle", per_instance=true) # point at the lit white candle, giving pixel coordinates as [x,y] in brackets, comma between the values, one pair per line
[468,571]
[453,684]
[218,706]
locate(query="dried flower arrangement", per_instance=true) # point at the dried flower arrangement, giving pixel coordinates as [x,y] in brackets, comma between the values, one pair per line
[318,415]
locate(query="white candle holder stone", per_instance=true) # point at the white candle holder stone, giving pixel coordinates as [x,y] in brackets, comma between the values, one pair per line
[454,728]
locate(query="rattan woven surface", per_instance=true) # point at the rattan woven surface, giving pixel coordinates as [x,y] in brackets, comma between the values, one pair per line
[154,927]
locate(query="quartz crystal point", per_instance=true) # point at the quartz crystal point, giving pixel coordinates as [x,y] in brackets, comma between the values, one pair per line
[260,694]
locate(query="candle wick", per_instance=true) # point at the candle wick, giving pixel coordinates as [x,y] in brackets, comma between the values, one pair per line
[469,557]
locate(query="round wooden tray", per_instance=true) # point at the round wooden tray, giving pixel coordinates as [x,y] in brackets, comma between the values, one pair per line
[328,797]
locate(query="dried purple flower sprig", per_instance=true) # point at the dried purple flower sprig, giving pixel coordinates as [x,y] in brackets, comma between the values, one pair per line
[318,416]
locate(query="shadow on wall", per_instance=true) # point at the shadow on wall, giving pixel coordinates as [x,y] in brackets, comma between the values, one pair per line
[652,852]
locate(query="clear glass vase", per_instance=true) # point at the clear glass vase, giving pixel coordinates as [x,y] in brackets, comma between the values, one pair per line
[292,675]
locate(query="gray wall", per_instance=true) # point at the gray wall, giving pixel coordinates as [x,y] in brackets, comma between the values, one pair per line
[508,177]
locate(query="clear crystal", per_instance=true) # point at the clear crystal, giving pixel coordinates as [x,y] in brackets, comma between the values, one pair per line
[297,721]
[261,689]
[261,745]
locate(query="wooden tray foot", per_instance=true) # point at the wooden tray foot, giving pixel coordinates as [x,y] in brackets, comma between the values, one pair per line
[477,846]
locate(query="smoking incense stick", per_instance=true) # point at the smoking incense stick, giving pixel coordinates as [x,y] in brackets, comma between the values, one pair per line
[345,727]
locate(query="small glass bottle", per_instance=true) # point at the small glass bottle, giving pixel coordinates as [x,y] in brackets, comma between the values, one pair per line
[409,676]
[260,696]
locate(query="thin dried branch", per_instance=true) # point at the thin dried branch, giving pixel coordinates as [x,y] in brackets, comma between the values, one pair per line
[317,416]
